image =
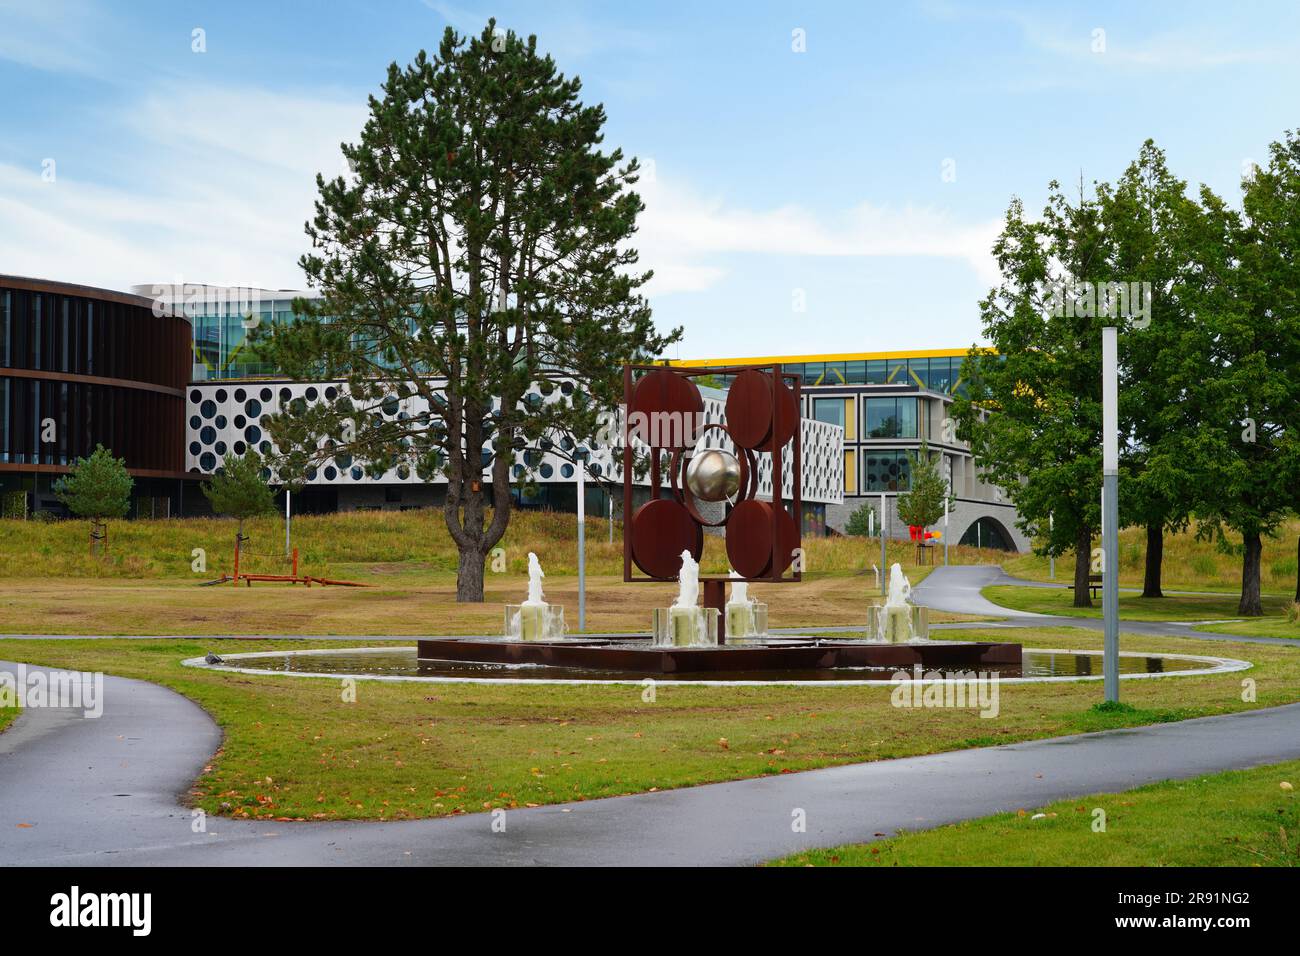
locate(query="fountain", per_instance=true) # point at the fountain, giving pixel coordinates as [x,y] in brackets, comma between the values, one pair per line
[898,621]
[685,623]
[534,619]
[745,616]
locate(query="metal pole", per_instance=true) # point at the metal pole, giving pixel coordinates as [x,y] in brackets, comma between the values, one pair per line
[287,520]
[582,544]
[884,568]
[611,517]
[945,532]
[1051,527]
[1110,509]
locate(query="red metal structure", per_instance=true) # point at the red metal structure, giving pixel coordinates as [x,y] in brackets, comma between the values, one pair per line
[762,418]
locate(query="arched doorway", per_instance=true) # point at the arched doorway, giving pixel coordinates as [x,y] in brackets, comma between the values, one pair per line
[988,533]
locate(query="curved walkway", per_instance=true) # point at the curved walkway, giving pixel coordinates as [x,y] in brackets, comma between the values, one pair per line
[105,792]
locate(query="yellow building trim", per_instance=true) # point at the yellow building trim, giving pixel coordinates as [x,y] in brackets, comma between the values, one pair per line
[829,357]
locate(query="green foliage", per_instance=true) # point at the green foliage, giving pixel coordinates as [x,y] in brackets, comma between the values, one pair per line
[859,523]
[13,504]
[239,489]
[97,487]
[922,504]
[481,240]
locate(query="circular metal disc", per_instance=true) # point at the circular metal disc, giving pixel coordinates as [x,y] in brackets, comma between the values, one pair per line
[661,530]
[749,538]
[665,392]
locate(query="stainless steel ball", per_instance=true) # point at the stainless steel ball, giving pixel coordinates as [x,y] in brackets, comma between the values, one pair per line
[713,475]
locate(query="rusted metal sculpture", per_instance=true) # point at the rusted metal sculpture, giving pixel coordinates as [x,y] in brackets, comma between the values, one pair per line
[664,411]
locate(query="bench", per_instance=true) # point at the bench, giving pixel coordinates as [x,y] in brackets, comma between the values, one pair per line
[1094,584]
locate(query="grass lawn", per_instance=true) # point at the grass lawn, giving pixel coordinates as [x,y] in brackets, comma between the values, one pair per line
[1238,818]
[294,749]
[1187,564]
[1174,607]
[404,601]
[1275,625]
[7,715]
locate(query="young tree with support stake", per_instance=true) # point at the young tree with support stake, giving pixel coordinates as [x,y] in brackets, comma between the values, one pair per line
[239,490]
[923,502]
[97,488]
[477,258]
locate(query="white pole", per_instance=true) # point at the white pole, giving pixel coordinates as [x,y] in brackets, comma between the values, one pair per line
[582,545]
[883,559]
[945,532]
[287,520]
[611,517]
[1110,509]
[1051,526]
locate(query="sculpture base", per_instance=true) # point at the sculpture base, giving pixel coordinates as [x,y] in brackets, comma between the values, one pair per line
[635,654]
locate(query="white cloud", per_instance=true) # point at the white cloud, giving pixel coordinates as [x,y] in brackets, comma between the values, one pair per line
[216,188]
[53,35]
[682,231]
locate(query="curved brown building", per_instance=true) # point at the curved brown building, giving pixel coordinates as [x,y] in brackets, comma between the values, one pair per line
[81,366]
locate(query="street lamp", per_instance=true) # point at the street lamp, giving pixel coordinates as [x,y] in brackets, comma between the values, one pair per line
[1110,509]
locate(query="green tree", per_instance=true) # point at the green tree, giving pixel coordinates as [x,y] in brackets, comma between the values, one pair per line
[239,490]
[1149,223]
[97,488]
[1032,412]
[1247,405]
[476,258]
[922,504]
[860,523]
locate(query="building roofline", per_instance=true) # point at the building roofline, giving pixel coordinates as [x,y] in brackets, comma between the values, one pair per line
[29,284]
[826,357]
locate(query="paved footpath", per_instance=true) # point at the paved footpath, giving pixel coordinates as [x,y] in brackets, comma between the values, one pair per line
[106,791]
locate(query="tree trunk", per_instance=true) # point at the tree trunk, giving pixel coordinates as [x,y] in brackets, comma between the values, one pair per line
[1155,555]
[1082,566]
[1250,605]
[469,576]
[1297,570]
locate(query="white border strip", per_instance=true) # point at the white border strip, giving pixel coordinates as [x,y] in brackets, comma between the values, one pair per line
[1221,665]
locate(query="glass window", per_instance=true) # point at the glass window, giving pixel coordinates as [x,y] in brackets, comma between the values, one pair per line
[835,374]
[877,372]
[4,336]
[882,417]
[855,372]
[829,410]
[887,471]
[919,371]
[941,374]
[897,374]
[814,373]
[907,418]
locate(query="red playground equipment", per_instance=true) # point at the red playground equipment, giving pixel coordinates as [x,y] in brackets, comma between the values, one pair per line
[292,578]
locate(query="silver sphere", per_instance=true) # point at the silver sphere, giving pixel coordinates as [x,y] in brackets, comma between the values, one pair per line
[713,475]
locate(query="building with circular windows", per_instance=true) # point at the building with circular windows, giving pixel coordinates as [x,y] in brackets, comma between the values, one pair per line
[81,367]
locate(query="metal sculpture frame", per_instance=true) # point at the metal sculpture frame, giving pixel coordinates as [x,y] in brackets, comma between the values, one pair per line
[784,399]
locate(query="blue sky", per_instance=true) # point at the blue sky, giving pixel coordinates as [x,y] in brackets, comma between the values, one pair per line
[779,177]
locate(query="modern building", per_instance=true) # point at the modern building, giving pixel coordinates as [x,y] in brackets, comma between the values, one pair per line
[230,393]
[81,367]
[889,404]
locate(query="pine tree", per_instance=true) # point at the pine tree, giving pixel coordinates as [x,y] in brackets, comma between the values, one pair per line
[482,241]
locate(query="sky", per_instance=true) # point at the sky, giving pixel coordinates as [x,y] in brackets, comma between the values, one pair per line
[820,177]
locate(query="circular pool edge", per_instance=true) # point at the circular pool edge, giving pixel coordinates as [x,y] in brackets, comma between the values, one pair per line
[1220,665]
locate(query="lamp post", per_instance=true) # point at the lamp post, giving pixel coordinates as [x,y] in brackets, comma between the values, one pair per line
[287,520]
[883,567]
[581,460]
[1051,557]
[1110,509]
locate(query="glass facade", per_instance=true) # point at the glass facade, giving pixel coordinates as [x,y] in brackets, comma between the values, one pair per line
[886,470]
[939,373]
[890,417]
